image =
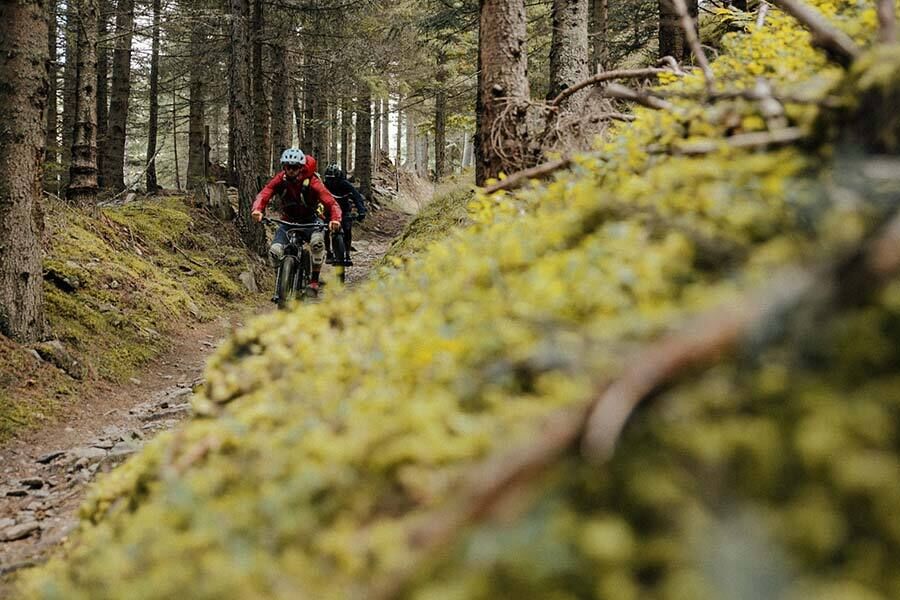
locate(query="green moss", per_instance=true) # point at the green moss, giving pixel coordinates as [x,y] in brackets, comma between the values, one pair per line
[330,430]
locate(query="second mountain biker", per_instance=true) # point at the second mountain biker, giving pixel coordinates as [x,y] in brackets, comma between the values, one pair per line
[301,191]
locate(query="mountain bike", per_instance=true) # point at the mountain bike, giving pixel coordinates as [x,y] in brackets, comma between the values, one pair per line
[293,273]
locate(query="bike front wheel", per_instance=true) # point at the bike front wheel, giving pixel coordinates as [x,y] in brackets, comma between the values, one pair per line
[287,280]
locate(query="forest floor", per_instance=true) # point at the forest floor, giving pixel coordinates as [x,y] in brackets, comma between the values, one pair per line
[44,475]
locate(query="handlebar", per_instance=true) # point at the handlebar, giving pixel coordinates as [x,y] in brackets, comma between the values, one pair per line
[269,221]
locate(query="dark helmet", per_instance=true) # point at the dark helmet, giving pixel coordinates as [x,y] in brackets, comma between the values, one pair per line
[334,170]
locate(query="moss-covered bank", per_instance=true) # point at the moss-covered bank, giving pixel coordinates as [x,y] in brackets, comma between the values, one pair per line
[333,428]
[118,283]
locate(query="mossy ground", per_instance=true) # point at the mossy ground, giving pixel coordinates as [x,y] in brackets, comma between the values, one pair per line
[331,429]
[118,283]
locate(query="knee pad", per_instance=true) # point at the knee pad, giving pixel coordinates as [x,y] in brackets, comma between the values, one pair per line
[317,248]
[276,251]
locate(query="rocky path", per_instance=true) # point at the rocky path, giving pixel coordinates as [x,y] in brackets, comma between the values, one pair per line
[44,476]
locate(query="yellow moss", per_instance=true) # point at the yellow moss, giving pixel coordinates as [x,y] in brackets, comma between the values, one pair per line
[338,425]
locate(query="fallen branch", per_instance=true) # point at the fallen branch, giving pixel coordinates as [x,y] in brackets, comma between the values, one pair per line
[607,76]
[833,41]
[672,63]
[614,90]
[744,141]
[522,177]
[887,22]
[690,32]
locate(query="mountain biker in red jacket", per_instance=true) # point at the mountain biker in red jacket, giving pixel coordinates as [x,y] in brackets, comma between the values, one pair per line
[301,192]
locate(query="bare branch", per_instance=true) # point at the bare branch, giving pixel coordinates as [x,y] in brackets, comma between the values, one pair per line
[518,179]
[690,32]
[614,90]
[756,139]
[607,76]
[833,41]
[887,23]
[672,63]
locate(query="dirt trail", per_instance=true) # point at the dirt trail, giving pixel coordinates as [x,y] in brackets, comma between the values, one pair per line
[45,473]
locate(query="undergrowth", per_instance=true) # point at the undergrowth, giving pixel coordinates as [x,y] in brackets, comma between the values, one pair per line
[118,284]
[329,431]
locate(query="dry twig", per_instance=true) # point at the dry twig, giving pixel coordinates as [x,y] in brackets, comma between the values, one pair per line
[614,90]
[518,179]
[835,42]
[607,76]
[756,139]
[690,32]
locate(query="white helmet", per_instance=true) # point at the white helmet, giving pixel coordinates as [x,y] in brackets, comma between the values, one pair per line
[293,156]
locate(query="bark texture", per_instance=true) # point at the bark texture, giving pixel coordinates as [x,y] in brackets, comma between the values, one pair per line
[599,35]
[24,84]
[672,40]
[196,168]
[569,50]
[114,148]
[252,233]
[376,134]
[346,132]
[386,125]
[153,127]
[281,111]
[260,107]
[83,171]
[69,82]
[51,142]
[503,65]
[440,118]
[102,83]
[363,164]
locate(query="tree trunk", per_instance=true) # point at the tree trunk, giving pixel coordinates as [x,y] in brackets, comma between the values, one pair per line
[346,127]
[153,127]
[281,119]
[504,78]
[260,102]
[175,139]
[569,50]
[599,35]
[252,233]
[298,116]
[363,162]
[334,128]
[386,126]
[69,86]
[83,171]
[376,136]
[671,39]
[114,150]
[196,167]
[410,142]
[440,118]
[51,143]
[103,36]
[23,71]
[399,154]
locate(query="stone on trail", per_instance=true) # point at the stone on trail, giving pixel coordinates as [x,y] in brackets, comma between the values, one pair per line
[32,482]
[18,532]
[249,281]
[47,458]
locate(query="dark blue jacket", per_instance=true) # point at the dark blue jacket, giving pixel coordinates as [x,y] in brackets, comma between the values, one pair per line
[343,191]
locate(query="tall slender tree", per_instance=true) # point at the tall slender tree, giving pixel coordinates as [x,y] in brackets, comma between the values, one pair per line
[196,168]
[599,35]
[440,116]
[51,175]
[261,143]
[503,69]
[114,148]
[153,126]
[82,187]
[69,88]
[569,51]
[239,88]
[363,162]
[281,95]
[102,84]
[24,61]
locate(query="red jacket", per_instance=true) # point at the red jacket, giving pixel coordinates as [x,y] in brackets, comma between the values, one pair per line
[300,198]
